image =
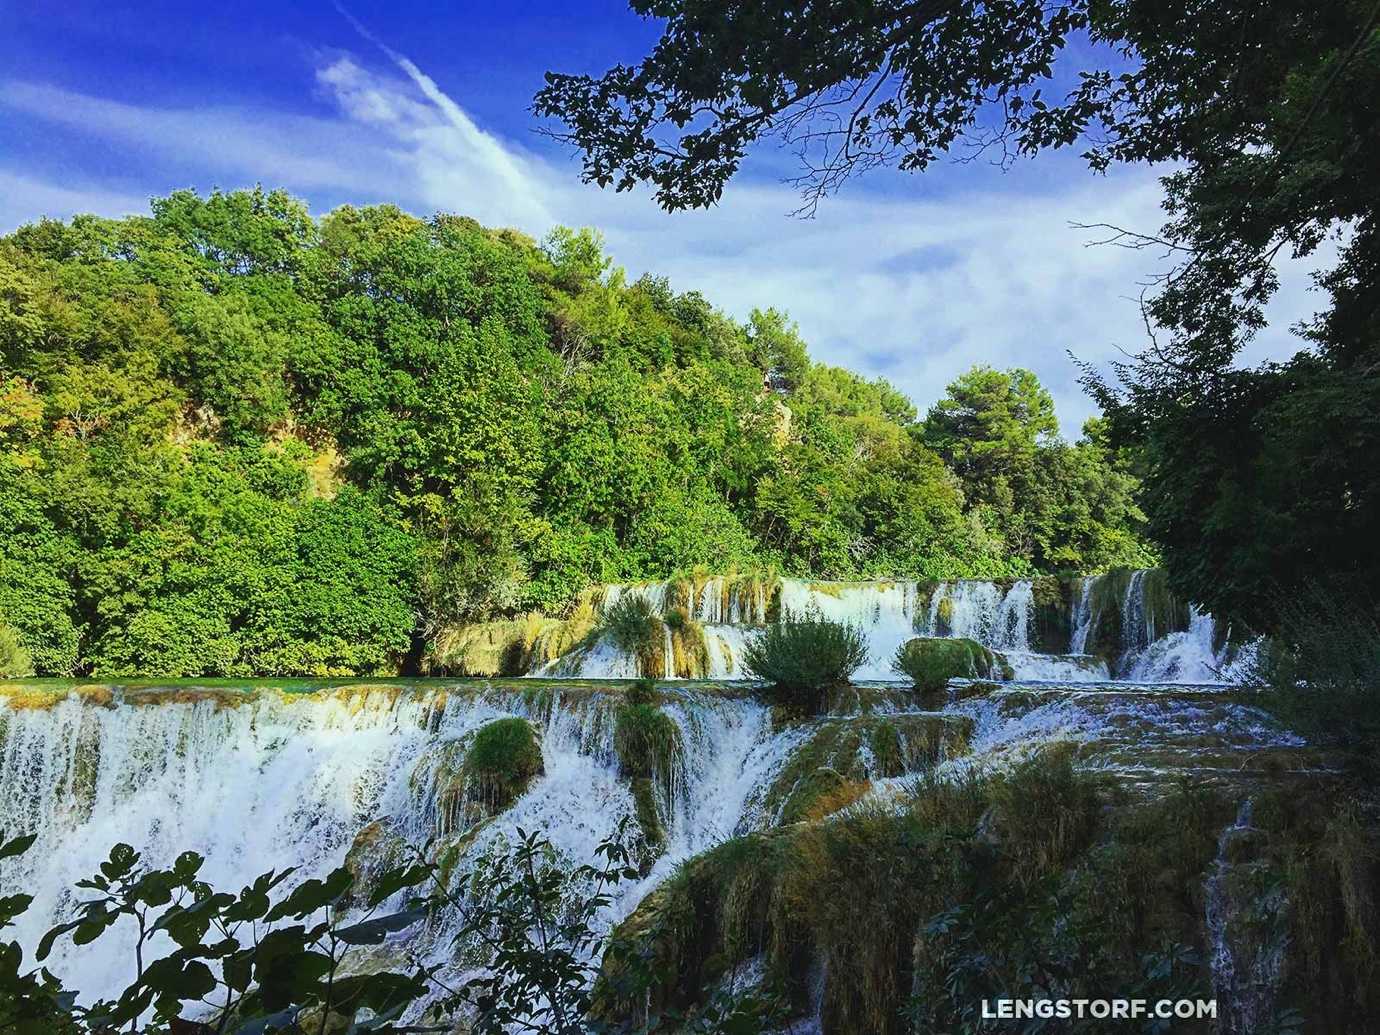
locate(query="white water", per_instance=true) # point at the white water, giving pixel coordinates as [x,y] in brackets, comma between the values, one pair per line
[1082,618]
[287,781]
[1188,657]
[275,781]
[270,781]
[890,613]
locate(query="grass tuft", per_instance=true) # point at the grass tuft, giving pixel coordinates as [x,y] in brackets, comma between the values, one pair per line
[802,658]
[502,760]
[930,662]
[635,628]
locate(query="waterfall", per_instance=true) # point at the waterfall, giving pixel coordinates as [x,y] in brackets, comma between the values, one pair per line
[1153,639]
[1180,657]
[261,779]
[267,780]
[1246,931]
[1137,623]
[1082,618]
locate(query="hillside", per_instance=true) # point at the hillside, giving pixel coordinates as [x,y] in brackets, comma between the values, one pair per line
[238,440]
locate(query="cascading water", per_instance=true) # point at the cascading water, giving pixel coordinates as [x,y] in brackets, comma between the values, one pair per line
[888,613]
[1247,936]
[272,780]
[268,780]
[1148,647]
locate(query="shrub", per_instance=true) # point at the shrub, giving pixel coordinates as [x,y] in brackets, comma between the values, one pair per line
[931,662]
[635,628]
[647,741]
[631,622]
[1321,670]
[803,658]
[502,760]
[14,659]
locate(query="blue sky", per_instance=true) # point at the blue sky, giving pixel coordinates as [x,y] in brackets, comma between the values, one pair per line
[916,278]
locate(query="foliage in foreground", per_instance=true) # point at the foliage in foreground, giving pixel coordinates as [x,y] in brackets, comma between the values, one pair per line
[267,963]
[1321,671]
[803,657]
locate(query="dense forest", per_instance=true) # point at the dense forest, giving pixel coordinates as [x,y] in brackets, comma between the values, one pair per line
[237,440]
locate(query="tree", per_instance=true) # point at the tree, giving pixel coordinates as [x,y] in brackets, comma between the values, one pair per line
[1058,507]
[237,441]
[1267,111]
[990,423]
[856,85]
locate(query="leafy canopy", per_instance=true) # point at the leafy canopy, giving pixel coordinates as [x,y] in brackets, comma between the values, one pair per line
[236,440]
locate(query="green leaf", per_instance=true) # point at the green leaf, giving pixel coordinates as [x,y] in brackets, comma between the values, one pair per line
[373,931]
[17,846]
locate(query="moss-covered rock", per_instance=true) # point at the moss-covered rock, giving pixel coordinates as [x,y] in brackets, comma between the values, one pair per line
[858,749]
[930,662]
[647,810]
[502,760]
[944,616]
[648,744]
[643,691]
[513,646]
[810,793]
[376,848]
[888,907]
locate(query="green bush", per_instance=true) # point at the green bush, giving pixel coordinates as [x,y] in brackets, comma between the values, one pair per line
[930,662]
[632,623]
[1321,671]
[647,741]
[14,659]
[635,628]
[502,760]
[803,658]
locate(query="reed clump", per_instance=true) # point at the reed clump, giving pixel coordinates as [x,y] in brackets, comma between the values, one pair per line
[633,626]
[804,657]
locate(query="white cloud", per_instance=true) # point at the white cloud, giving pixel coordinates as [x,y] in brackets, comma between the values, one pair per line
[917,290]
